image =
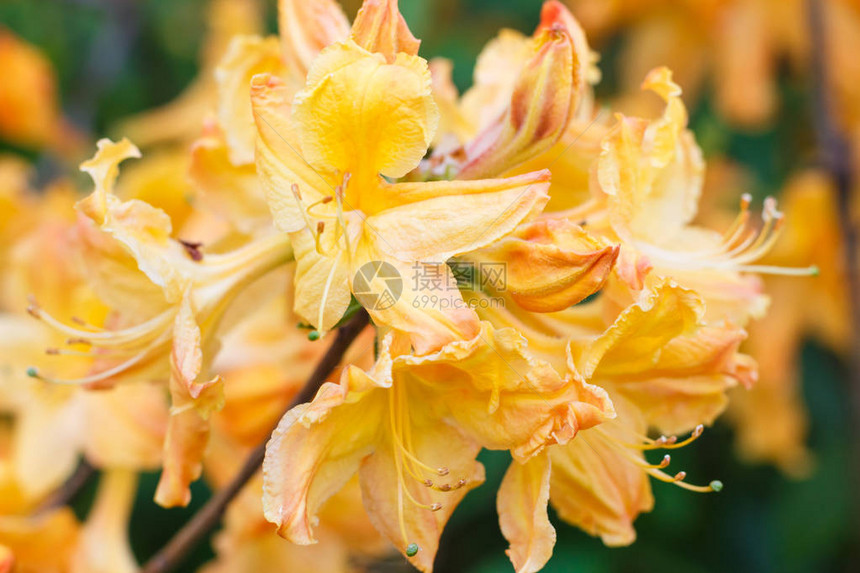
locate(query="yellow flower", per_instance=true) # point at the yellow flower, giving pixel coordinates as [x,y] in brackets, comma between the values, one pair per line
[180,295]
[647,182]
[663,369]
[412,427]
[322,159]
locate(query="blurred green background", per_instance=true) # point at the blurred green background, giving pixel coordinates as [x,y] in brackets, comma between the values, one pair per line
[118,57]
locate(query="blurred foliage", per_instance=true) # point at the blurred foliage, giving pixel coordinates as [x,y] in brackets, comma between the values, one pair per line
[117,57]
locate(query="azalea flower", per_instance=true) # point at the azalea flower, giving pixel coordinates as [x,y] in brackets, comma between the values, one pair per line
[181,296]
[415,425]
[662,368]
[322,161]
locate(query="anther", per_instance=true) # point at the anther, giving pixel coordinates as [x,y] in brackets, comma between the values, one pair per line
[52,351]
[435,506]
[443,471]
[461,483]
[667,459]
[716,485]
[295,189]
[78,341]
[320,227]
[680,476]
[193,249]
[445,487]
[428,483]
[327,199]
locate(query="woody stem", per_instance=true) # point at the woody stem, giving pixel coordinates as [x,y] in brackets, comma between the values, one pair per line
[175,551]
[835,154]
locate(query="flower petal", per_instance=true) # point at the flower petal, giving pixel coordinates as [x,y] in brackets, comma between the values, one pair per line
[550,264]
[308,26]
[246,56]
[521,503]
[316,449]
[444,219]
[379,27]
[384,126]
[597,487]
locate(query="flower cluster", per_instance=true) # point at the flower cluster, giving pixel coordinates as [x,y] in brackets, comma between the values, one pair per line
[310,178]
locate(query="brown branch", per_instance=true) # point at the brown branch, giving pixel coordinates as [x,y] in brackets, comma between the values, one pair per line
[66,493]
[172,554]
[835,152]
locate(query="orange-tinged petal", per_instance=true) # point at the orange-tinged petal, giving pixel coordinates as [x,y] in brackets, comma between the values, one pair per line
[597,487]
[308,26]
[386,124]
[246,57]
[379,27]
[496,73]
[551,264]
[505,398]
[634,341]
[389,491]
[104,169]
[521,503]
[184,446]
[143,230]
[541,103]
[316,449]
[652,170]
[191,404]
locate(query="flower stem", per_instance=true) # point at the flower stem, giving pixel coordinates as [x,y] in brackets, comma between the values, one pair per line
[173,553]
